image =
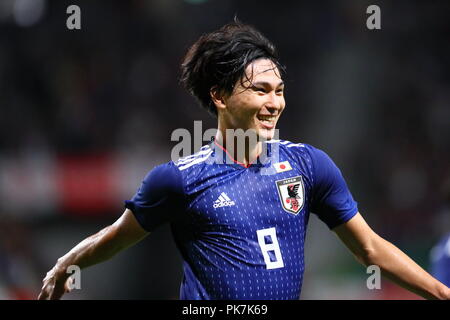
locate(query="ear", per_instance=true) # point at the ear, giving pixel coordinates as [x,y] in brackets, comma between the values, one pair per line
[217,98]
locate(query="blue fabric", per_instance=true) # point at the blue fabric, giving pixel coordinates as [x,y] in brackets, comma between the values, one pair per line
[241,231]
[160,198]
[440,265]
[332,200]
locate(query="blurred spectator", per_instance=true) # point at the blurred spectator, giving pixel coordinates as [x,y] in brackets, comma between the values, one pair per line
[19,272]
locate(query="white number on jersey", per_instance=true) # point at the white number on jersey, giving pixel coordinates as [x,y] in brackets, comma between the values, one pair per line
[270,245]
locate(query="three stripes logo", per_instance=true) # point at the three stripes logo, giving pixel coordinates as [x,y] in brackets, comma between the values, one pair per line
[223,201]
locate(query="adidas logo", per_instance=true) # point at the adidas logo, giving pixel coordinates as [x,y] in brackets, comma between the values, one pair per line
[223,201]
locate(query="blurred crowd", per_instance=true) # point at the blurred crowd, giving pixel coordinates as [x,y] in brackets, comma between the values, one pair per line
[378,102]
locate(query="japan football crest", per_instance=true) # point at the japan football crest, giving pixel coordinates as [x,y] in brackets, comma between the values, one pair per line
[292,194]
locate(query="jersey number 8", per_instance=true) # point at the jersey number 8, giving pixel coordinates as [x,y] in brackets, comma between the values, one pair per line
[268,242]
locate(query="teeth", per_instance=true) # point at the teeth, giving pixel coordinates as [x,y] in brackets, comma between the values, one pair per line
[263,118]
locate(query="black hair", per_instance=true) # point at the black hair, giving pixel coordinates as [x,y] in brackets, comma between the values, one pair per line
[219,59]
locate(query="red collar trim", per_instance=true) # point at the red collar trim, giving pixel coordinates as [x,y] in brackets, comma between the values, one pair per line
[229,155]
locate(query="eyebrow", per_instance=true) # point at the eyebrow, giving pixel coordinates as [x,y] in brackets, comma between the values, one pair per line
[265,83]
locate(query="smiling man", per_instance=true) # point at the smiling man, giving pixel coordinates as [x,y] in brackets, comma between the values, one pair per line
[240,222]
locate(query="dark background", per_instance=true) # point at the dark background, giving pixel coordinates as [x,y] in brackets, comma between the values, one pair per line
[86,113]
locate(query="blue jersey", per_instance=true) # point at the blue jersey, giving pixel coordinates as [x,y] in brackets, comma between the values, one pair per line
[241,230]
[440,261]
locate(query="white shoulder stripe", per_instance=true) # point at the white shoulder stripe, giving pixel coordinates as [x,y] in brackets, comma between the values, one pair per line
[287,143]
[194,156]
[295,145]
[196,161]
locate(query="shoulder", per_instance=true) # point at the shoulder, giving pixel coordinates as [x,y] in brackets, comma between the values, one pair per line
[287,144]
[194,160]
[162,179]
[195,167]
[316,161]
[304,151]
[294,147]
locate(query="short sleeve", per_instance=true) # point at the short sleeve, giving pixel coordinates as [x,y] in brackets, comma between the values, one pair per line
[332,200]
[160,198]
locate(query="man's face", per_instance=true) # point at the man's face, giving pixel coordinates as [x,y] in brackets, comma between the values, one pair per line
[258,102]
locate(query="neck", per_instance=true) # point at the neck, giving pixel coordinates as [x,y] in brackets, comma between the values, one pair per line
[243,149]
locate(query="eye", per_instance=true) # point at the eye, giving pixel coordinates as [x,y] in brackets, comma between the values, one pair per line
[258,89]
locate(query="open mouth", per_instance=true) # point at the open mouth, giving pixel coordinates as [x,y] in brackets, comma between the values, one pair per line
[268,122]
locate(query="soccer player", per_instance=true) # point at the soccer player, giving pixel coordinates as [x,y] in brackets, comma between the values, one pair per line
[239,214]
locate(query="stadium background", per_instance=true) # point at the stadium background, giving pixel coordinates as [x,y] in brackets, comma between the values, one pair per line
[85,114]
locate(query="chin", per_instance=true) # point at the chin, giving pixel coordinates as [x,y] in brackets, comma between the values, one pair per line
[265,135]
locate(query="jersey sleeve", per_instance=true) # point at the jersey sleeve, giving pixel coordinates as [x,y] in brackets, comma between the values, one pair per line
[160,198]
[332,200]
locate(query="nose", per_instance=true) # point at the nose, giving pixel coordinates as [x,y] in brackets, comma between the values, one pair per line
[274,103]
